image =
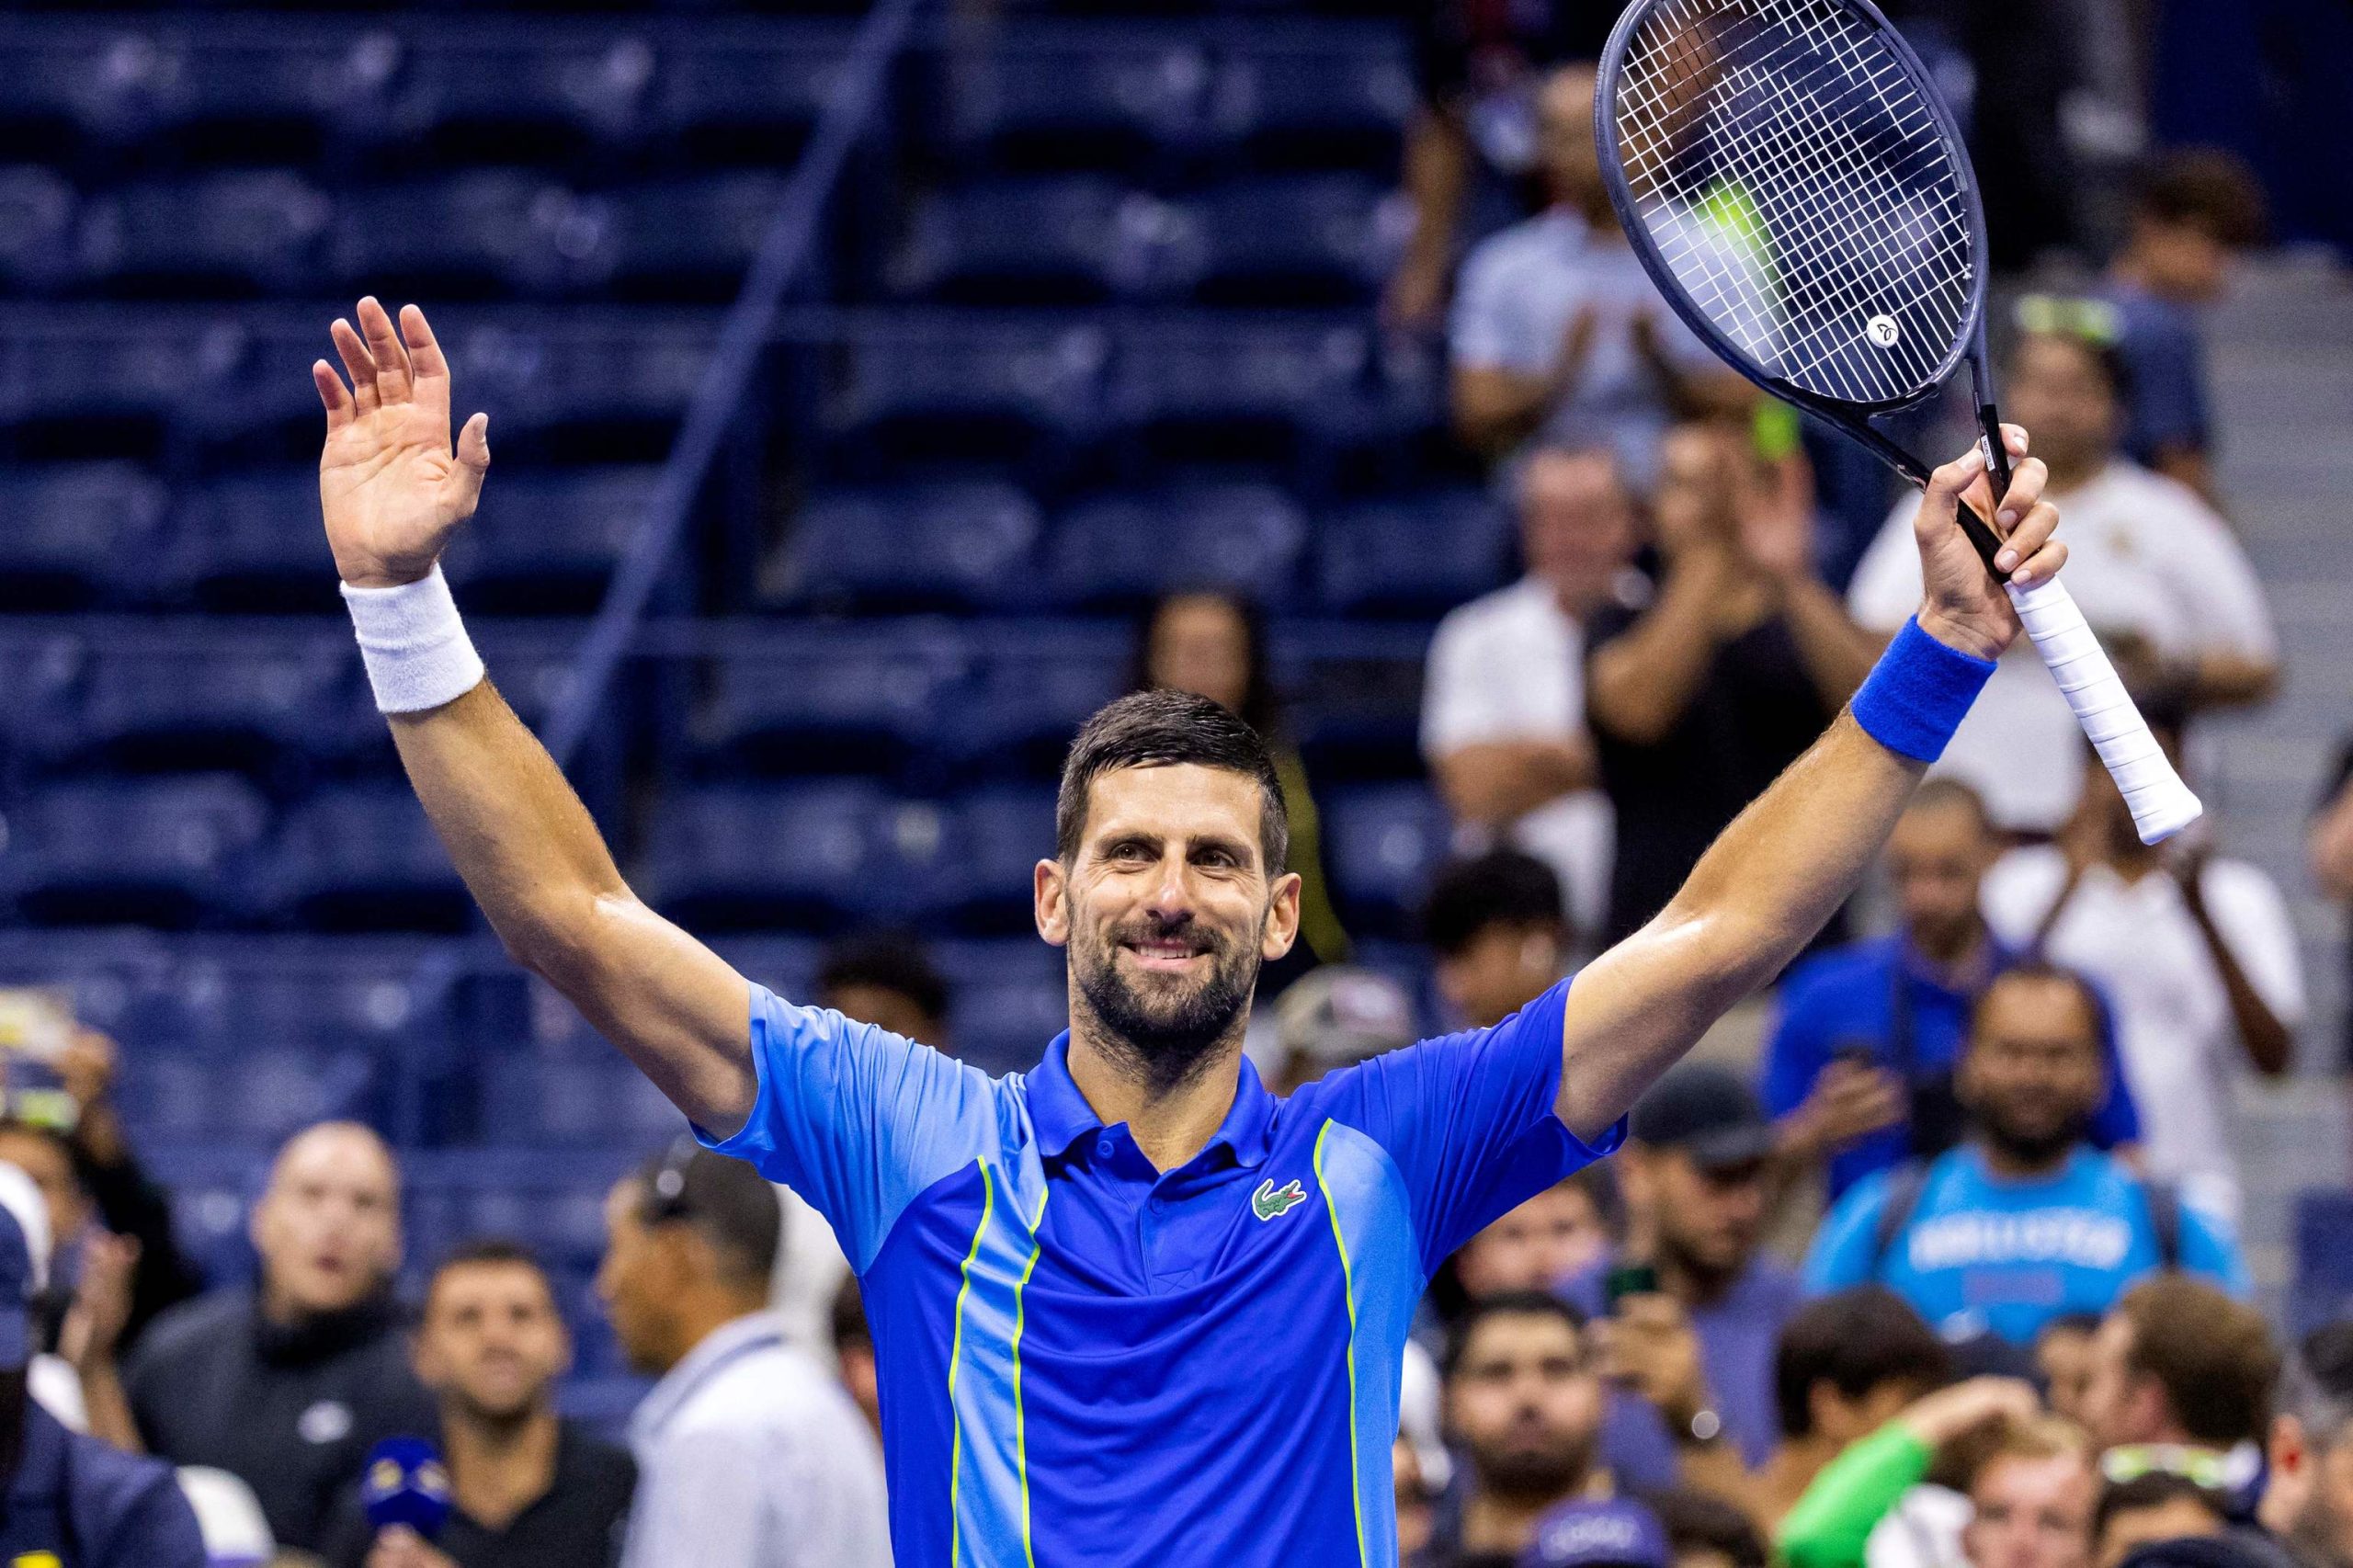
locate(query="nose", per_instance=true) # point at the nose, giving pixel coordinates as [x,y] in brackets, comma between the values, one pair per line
[1171,897]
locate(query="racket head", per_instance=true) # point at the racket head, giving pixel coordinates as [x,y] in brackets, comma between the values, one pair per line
[1788,272]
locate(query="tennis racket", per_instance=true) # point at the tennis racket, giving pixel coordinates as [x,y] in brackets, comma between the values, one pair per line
[1797,189]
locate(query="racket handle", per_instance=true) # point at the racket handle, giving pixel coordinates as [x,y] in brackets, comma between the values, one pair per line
[2160,802]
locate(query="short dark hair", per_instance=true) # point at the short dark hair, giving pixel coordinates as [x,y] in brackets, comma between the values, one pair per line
[2102,356]
[886,961]
[1696,1521]
[848,1316]
[731,1205]
[1502,887]
[2213,1356]
[1505,1304]
[2316,1386]
[2042,971]
[1166,729]
[1940,791]
[484,1251]
[1856,1341]
[2205,187]
[2152,1489]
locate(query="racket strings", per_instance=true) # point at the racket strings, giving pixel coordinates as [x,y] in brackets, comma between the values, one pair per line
[1796,183]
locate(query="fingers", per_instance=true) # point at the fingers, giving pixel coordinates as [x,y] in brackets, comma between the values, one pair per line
[462,492]
[357,363]
[1950,482]
[334,394]
[393,377]
[2031,554]
[426,360]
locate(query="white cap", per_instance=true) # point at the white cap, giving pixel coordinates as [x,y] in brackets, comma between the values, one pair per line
[20,1196]
[229,1517]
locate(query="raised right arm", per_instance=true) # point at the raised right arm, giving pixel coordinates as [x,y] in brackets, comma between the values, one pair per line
[393,491]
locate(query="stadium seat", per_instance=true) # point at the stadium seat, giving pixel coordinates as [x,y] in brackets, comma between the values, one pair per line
[590,1098]
[1051,95]
[479,234]
[999,834]
[214,1187]
[236,97]
[2321,1291]
[746,96]
[545,96]
[39,249]
[253,1094]
[681,239]
[1121,549]
[816,699]
[250,231]
[1310,102]
[364,859]
[1355,696]
[551,1199]
[1204,390]
[258,704]
[1008,999]
[1294,241]
[551,543]
[1033,684]
[945,546]
[250,542]
[75,533]
[1380,845]
[95,394]
[796,857]
[786,965]
[1046,240]
[157,853]
[590,387]
[1413,555]
[920,388]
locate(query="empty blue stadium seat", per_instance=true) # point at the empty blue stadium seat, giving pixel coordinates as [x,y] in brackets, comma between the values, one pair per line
[825,699]
[252,542]
[594,1098]
[747,96]
[551,1199]
[533,97]
[1008,999]
[586,387]
[214,1187]
[1120,550]
[248,232]
[155,853]
[252,704]
[1208,389]
[38,249]
[1295,239]
[91,394]
[253,1094]
[1416,555]
[1314,101]
[689,239]
[1381,842]
[1046,240]
[1000,835]
[550,542]
[962,546]
[74,531]
[1033,684]
[1061,96]
[480,234]
[786,965]
[796,857]
[364,858]
[925,387]
[1355,696]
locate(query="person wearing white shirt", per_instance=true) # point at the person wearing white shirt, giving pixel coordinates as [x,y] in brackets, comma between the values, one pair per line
[750,1455]
[2158,573]
[2194,952]
[1503,706]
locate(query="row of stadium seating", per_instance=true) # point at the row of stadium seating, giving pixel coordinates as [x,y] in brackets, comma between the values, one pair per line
[391,92]
[550,538]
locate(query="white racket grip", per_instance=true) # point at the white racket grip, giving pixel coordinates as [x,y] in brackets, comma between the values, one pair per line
[2160,802]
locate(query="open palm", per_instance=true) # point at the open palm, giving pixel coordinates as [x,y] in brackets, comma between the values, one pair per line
[391,487]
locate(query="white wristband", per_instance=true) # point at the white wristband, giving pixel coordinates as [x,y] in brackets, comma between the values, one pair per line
[415,648]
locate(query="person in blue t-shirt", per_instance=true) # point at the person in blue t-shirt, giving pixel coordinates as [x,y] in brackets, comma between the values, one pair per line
[1858,1073]
[2025,1222]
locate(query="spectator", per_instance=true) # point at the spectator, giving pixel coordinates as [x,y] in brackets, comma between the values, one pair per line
[1594,1533]
[1503,706]
[71,1498]
[2329,846]
[2308,1500]
[2026,1220]
[1706,1532]
[2193,212]
[886,979]
[1700,699]
[853,1353]
[1561,1232]
[2199,954]
[287,1387]
[526,1489]
[86,1274]
[2063,1360]
[2029,1502]
[1214,646]
[1523,1405]
[2159,1505]
[1417,1500]
[2158,573]
[1846,1364]
[748,1455]
[1559,334]
[1693,1170]
[1859,1065]
[1494,925]
[2181,1380]
[1333,1017]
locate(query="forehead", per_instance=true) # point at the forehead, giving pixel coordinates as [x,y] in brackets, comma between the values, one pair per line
[336,1158]
[1182,800]
[1514,1335]
[2019,1479]
[1936,827]
[486,1284]
[37,1152]
[2037,1008]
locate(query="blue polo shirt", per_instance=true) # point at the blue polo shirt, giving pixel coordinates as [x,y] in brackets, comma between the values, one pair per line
[1847,997]
[77,1502]
[1084,1360]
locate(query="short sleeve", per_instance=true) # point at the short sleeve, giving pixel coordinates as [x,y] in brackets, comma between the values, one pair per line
[856,1120]
[1844,1251]
[2254,919]
[2211,576]
[2207,1249]
[156,1527]
[1469,1121]
[1886,589]
[1490,329]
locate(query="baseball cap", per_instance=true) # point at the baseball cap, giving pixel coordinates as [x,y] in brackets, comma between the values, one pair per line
[1615,1534]
[1707,1112]
[15,1290]
[1337,1015]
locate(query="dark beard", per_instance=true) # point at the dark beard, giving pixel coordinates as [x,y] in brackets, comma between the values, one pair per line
[1166,1046]
[2034,1149]
[1534,1475]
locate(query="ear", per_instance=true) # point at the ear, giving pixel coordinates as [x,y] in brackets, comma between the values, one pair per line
[2286,1448]
[1282,917]
[1049,901]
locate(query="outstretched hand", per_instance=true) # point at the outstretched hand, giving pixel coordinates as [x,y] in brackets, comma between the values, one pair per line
[391,487]
[1966,608]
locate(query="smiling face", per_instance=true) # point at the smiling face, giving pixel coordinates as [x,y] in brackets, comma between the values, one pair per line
[1167,911]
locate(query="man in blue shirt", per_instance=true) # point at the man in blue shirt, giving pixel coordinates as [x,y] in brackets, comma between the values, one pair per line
[1129,1308]
[1860,1065]
[2026,1221]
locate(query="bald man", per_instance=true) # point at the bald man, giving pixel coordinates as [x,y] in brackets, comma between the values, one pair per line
[289,1384]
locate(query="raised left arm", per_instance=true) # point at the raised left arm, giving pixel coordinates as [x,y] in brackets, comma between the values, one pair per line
[1786,863]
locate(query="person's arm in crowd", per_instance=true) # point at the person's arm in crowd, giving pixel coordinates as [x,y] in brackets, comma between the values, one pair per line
[1437,176]
[1496,781]
[92,1335]
[2270,1045]
[2328,845]
[1698,387]
[393,492]
[1834,1519]
[1786,863]
[1497,407]
[128,1203]
[1638,684]
[401,1547]
[2188,465]
[1776,513]
[1649,1347]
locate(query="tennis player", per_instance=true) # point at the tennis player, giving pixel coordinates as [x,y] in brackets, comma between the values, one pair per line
[1128,1308]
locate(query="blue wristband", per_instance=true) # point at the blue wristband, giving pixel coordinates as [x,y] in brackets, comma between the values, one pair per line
[1918,693]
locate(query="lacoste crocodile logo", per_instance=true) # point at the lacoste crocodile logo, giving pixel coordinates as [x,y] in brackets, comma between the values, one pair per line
[1270,1202]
